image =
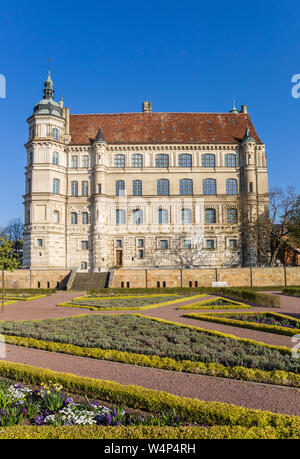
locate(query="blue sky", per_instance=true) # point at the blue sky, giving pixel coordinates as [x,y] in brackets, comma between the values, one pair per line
[184,56]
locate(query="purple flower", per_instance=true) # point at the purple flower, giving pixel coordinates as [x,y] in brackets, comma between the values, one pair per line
[108,419]
[115,414]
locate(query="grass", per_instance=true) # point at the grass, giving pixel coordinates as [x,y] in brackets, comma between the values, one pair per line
[103,303]
[145,336]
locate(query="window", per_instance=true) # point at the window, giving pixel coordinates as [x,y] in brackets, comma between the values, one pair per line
[99,188]
[163,188]
[120,188]
[209,186]
[187,244]
[74,162]
[208,160]
[186,187]
[231,186]
[56,186]
[163,216]
[251,187]
[210,216]
[120,217]
[185,160]
[40,242]
[55,133]
[119,161]
[74,188]
[141,254]
[119,243]
[85,161]
[29,185]
[137,160]
[85,218]
[210,244]
[162,161]
[83,265]
[232,243]
[230,160]
[232,215]
[137,217]
[140,243]
[84,188]
[55,216]
[186,216]
[164,244]
[137,188]
[55,158]
[74,218]
[85,245]
[31,158]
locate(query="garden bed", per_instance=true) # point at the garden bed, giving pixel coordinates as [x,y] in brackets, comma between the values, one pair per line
[262,321]
[216,303]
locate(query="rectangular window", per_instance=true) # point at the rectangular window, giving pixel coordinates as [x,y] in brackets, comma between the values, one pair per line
[232,243]
[137,188]
[210,244]
[164,244]
[99,188]
[40,242]
[137,217]
[120,217]
[251,187]
[85,245]
[140,242]
[187,244]
[141,254]
[85,218]
[119,243]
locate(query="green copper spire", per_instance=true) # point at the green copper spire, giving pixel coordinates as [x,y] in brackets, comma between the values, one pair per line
[234,109]
[48,87]
[248,137]
[48,106]
[100,137]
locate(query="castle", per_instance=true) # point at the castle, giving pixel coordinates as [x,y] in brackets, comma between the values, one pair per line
[138,189]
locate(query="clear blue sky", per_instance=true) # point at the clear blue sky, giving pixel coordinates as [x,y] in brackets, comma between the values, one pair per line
[184,56]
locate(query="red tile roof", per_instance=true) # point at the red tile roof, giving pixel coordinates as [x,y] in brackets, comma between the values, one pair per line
[156,128]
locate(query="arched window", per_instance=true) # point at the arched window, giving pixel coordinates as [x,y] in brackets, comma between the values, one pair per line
[186,187]
[83,265]
[120,217]
[208,160]
[210,216]
[209,186]
[119,160]
[185,160]
[55,216]
[163,187]
[230,160]
[186,216]
[75,161]
[55,158]
[85,161]
[137,216]
[74,218]
[85,188]
[74,188]
[55,133]
[163,216]
[232,215]
[85,218]
[137,188]
[120,188]
[56,186]
[231,186]
[162,160]
[137,160]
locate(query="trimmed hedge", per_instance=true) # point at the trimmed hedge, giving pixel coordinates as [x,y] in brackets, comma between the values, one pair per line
[281,330]
[33,291]
[254,297]
[146,432]
[16,298]
[294,291]
[189,409]
[205,305]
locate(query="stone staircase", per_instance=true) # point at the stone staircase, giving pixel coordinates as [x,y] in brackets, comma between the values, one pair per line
[86,281]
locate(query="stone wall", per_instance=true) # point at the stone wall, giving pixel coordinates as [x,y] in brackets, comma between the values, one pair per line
[26,278]
[235,277]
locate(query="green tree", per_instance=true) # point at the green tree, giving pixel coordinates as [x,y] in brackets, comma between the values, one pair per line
[8,261]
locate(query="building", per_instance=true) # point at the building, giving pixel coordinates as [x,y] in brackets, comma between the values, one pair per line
[138,189]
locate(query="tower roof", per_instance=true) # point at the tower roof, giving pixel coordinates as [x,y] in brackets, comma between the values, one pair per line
[99,136]
[48,106]
[248,137]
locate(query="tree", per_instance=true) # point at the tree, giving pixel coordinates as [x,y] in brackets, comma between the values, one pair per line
[15,230]
[8,261]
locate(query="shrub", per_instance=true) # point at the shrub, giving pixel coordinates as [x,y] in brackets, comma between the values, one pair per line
[252,296]
[294,291]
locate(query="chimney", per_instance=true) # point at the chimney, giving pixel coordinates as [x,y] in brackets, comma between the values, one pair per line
[147,107]
[244,109]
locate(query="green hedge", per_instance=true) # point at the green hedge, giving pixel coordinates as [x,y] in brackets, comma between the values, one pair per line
[33,291]
[145,432]
[294,291]
[189,409]
[252,296]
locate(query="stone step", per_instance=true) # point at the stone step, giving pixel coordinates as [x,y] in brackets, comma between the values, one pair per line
[85,281]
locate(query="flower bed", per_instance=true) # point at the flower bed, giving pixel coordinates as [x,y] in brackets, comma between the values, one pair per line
[216,303]
[24,297]
[262,321]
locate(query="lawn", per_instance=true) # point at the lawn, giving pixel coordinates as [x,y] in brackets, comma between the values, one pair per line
[133,302]
[140,335]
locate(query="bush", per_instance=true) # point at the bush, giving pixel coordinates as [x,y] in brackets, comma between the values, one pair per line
[32,291]
[252,296]
[294,291]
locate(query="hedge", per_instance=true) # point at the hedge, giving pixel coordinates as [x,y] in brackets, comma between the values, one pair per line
[244,324]
[205,305]
[146,432]
[33,291]
[254,297]
[294,291]
[189,409]
[16,298]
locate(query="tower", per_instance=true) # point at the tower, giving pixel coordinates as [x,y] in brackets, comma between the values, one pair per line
[45,194]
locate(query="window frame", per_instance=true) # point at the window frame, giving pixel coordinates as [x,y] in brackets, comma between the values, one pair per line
[162,160]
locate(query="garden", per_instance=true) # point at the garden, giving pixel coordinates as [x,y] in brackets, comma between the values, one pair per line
[216,303]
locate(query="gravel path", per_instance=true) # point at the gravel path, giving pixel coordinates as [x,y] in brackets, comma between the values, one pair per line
[250,395]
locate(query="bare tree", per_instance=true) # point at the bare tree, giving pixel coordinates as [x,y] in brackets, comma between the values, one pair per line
[15,229]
